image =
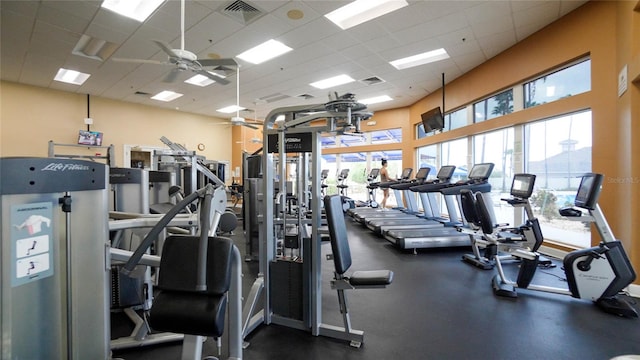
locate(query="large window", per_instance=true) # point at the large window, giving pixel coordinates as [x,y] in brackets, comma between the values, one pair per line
[455,153]
[359,165]
[428,157]
[558,152]
[498,105]
[566,82]
[456,119]
[497,147]
[453,120]
[389,136]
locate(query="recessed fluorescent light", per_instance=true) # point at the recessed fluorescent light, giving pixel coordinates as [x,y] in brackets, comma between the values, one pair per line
[375,100]
[265,51]
[420,59]
[230,109]
[199,80]
[331,82]
[361,11]
[71,76]
[166,96]
[138,10]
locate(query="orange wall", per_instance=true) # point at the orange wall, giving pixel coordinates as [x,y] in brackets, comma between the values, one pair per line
[31,116]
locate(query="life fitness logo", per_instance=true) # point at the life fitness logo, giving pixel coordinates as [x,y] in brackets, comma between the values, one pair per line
[65,167]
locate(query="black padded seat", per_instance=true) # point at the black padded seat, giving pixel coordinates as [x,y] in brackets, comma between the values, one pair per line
[371,278]
[179,307]
[342,252]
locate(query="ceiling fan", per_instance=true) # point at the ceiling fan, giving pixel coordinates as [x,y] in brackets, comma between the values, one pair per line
[183,60]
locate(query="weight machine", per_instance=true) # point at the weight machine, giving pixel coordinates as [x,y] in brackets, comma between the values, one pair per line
[290,288]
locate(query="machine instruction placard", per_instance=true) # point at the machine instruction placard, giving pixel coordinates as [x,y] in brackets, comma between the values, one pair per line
[294,143]
[31,242]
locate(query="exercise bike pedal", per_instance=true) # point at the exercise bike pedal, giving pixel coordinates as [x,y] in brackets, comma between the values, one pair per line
[617,306]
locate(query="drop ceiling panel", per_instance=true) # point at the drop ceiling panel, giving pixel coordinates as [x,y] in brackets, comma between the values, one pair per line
[308,13]
[312,32]
[60,17]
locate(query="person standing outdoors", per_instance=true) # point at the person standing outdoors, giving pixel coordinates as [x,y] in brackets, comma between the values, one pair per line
[384,177]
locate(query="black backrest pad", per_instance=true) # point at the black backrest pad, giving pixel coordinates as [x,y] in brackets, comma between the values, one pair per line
[179,261]
[483,214]
[337,233]
[469,206]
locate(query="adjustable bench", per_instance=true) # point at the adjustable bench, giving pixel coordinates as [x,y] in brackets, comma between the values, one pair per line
[342,262]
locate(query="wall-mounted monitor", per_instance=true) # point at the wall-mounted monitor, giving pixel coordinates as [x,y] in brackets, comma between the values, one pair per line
[92,138]
[432,120]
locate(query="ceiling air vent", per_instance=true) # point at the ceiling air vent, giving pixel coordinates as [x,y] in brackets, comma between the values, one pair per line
[241,11]
[306,96]
[142,93]
[273,97]
[372,80]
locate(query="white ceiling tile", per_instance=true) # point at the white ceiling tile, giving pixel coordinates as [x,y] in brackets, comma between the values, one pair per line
[498,11]
[308,13]
[311,32]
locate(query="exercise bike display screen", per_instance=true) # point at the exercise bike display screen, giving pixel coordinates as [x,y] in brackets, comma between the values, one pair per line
[588,191]
[446,172]
[522,186]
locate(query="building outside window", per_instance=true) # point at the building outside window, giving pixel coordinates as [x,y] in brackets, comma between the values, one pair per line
[566,82]
[497,147]
[558,152]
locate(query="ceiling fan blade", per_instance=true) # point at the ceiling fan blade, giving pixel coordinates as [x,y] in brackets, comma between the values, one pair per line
[217,79]
[139,61]
[217,62]
[250,126]
[165,47]
[172,76]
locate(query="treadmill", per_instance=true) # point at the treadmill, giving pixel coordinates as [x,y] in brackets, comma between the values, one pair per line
[431,211]
[448,235]
[373,221]
[360,214]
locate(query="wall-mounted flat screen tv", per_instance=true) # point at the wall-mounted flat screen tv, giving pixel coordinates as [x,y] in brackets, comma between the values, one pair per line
[93,138]
[432,120]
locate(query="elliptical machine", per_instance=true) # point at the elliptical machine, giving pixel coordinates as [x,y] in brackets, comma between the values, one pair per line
[372,185]
[598,273]
[347,202]
[323,186]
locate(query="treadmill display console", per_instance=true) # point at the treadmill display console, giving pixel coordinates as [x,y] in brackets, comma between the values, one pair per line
[481,171]
[446,172]
[422,173]
[406,174]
